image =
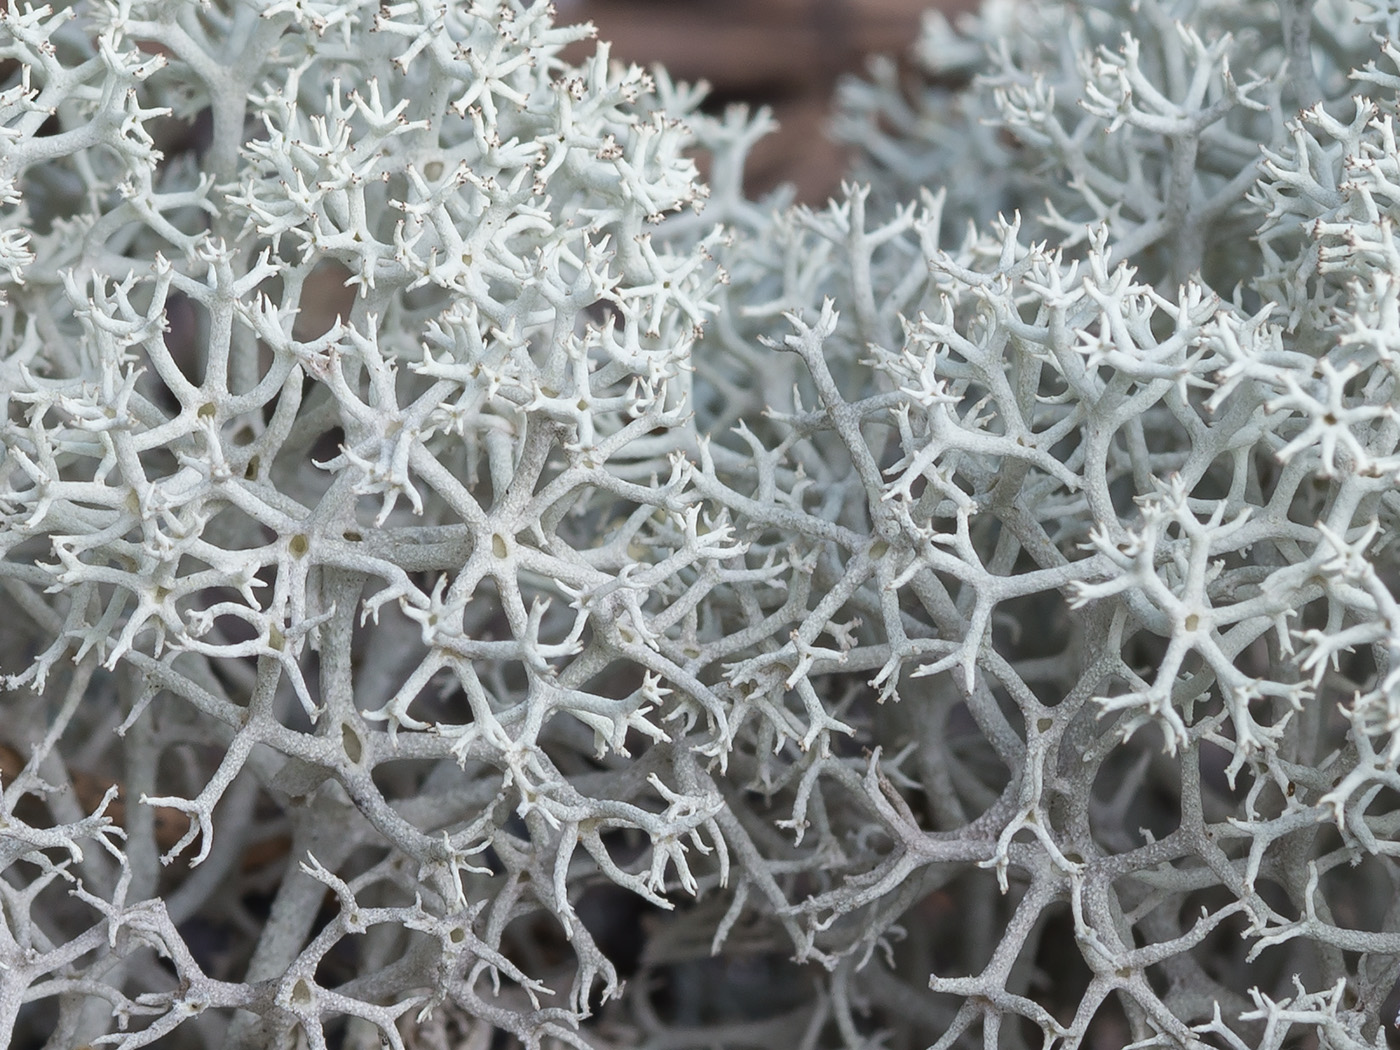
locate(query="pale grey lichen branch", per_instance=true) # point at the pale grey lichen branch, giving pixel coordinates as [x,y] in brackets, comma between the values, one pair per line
[450,544]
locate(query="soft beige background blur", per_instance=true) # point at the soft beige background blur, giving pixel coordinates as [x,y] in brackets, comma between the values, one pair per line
[783,53]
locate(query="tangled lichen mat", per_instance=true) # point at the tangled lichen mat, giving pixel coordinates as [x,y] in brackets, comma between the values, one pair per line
[470,582]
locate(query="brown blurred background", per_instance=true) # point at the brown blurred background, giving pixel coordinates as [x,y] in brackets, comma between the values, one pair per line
[786,54]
